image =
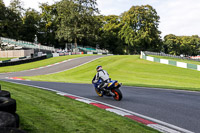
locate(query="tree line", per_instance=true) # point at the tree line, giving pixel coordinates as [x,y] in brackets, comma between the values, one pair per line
[79,22]
[185,45]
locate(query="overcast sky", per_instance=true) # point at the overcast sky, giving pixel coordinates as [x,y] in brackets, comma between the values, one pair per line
[179,17]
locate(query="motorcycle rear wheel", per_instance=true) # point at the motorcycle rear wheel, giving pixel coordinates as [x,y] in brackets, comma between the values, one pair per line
[98,93]
[118,94]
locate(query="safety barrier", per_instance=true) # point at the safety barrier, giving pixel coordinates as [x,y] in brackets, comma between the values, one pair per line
[170,62]
[23,60]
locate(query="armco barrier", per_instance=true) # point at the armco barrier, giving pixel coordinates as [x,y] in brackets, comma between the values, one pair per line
[22,61]
[170,62]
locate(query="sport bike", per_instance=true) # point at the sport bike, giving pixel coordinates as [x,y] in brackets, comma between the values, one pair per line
[112,89]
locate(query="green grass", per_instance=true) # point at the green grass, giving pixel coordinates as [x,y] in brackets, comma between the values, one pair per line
[2,59]
[37,64]
[43,111]
[176,59]
[131,71]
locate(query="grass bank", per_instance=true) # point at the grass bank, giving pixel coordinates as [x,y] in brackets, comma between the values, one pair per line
[176,59]
[43,111]
[131,71]
[37,64]
[2,59]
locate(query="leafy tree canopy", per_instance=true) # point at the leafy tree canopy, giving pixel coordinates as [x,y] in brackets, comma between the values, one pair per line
[186,45]
[140,28]
[76,19]
[110,39]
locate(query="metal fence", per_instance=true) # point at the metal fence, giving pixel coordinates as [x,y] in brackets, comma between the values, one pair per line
[168,55]
[25,44]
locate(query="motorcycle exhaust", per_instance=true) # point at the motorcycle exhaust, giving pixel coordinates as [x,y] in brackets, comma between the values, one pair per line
[113,94]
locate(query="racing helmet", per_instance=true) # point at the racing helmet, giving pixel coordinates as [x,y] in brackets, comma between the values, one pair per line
[98,68]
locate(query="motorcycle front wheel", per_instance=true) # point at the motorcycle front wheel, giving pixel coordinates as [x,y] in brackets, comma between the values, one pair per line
[98,93]
[118,94]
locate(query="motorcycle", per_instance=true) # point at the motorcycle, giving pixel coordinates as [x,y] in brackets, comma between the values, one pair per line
[112,89]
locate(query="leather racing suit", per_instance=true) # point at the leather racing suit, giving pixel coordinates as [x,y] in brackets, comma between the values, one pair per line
[104,76]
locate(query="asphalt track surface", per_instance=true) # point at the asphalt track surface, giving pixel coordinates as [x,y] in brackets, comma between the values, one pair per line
[180,108]
[51,69]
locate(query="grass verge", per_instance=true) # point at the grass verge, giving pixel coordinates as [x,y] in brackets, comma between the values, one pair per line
[176,59]
[37,64]
[43,111]
[2,59]
[131,71]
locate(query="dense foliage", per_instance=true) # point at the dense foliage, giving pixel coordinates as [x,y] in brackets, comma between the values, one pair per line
[109,33]
[140,29]
[79,22]
[186,45]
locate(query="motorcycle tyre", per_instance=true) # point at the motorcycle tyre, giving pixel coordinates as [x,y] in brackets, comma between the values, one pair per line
[118,94]
[98,93]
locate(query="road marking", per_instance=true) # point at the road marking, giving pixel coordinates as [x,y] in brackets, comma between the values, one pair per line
[102,106]
[119,112]
[153,123]
[83,100]
[16,78]
[72,97]
[139,119]
[162,128]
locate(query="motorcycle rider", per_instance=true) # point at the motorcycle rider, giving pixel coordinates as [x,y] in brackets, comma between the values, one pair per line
[103,75]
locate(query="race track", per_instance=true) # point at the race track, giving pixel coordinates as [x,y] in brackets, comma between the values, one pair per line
[180,108]
[52,68]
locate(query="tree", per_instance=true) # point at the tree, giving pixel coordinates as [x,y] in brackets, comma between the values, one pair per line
[10,20]
[11,24]
[76,20]
[171,44]
[2,17]
[48,25]
[190,45]
[195,45]
[140,29]
[17,7]
[110,39]
[186,45]
[30,25]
